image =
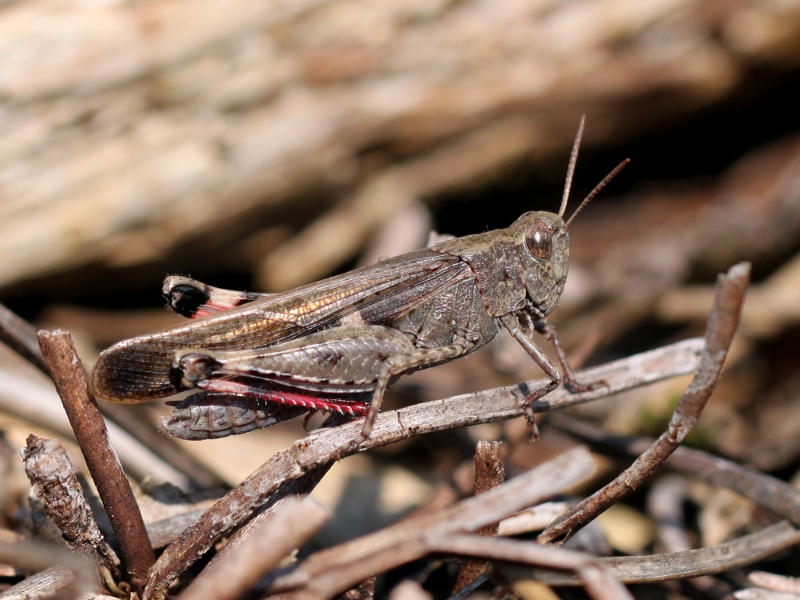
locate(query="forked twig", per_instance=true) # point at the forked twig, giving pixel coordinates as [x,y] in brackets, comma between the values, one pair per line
[722,324]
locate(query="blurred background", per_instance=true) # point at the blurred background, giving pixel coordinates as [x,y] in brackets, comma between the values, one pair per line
[262,145]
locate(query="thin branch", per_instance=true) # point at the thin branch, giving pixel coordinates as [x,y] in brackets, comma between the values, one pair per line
[54,582]
[722,325]
[301,488]
[167,530]
[20,336]
[90,430]
[489,473]
[323,447]
[652,568]
[532,519]
[292,523]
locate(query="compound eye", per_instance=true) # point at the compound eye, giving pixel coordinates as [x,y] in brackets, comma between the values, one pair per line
[539,240]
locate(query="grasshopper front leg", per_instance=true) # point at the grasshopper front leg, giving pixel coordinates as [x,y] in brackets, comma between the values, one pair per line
[570,382]
[511,323]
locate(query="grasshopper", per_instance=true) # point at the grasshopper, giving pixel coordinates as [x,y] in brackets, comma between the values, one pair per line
[335,345]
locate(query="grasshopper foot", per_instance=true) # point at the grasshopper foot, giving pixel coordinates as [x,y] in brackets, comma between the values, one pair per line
[349,448]
[527,408]
[575,387]
[533,428]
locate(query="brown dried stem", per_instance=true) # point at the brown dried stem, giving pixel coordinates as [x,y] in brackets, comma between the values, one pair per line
[292,523]
[274,478]
[653,568]
[489,473]
[90,431]
[54,477]
[721,327]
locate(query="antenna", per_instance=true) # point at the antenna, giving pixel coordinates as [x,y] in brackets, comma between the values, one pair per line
[573,159]
[597,189]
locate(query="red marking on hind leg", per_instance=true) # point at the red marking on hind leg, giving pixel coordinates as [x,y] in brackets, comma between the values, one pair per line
[224,386]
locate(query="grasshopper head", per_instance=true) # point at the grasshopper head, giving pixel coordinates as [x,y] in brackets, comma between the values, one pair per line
[542,244]
[542,241]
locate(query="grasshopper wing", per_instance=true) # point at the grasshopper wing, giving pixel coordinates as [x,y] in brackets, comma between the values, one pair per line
[138,369]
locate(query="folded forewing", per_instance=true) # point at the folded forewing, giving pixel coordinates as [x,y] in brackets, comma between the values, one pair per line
[138,369]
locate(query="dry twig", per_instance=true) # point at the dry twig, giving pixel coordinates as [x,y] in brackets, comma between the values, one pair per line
[53,475]
[20,336]
[489,473]
[291,524]
[765,490]
[740,552]
[90,430]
